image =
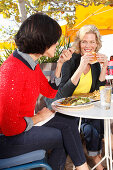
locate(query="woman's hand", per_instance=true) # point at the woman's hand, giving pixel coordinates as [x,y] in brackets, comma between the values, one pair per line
[102,59]
[85,60]
[66,55]
[42,115]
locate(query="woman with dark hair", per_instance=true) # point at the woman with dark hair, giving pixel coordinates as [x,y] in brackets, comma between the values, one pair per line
[21,82]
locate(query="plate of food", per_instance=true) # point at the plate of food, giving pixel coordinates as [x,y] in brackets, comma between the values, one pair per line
[72,102]
[94,95]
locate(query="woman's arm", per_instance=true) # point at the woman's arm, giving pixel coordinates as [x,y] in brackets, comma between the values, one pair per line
[96,71]
[66,86]
[71,72]
[102,59]
[12,121]
[41,115]
[65,56]
[56,75]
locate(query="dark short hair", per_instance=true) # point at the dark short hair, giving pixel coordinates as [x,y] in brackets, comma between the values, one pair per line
[37,33]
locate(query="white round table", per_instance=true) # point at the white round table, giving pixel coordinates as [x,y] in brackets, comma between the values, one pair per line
[95,112]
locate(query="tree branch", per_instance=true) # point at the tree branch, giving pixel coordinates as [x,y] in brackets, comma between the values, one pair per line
[57,3]
[71,1]
[27,3]
[52,10]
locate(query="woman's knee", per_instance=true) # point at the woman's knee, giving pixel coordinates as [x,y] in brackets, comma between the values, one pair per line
[46,134]
[87,131]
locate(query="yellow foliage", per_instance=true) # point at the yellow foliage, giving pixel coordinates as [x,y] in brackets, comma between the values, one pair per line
[49,7]
[7,45]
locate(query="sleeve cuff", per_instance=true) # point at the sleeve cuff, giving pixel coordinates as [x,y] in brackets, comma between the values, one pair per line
[57,81]
[29,123]
[68,89]
[54,79]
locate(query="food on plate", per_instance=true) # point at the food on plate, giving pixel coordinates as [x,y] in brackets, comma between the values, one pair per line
[73,101]
[94,58]
[96,95]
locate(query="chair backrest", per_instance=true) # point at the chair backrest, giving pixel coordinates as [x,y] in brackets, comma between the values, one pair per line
[29,160]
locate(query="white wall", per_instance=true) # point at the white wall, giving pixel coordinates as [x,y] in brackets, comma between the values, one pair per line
[107,45]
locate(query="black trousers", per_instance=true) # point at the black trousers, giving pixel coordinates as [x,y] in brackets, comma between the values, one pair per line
[60,135]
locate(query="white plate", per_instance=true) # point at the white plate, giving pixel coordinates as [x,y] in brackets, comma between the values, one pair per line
[57,103]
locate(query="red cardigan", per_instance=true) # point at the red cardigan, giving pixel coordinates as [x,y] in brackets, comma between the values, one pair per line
[19,89]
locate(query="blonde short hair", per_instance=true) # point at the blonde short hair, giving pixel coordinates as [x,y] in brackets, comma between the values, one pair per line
[81,33]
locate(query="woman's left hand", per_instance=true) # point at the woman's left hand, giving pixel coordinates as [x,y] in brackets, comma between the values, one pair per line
[102,59]
[66,55]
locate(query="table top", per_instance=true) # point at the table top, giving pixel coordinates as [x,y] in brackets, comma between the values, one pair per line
[94,112]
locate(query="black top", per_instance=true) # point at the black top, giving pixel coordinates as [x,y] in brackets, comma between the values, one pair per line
[66,87]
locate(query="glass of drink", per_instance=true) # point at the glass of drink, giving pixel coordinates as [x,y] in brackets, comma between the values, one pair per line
[105,96]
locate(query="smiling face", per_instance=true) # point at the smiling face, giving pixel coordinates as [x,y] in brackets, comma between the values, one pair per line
[88,43]
[50,52]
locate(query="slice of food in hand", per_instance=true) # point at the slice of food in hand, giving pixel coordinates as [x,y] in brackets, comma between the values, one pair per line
[94,58]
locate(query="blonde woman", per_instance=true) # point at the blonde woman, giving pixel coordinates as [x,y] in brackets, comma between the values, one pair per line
[82,75]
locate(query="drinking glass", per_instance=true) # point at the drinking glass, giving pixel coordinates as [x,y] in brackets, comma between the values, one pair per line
[105,96]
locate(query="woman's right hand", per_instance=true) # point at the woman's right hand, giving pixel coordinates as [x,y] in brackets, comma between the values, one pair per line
[42,115]
[85,60]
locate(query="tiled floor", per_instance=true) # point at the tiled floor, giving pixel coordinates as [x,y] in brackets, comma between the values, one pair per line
[69,164]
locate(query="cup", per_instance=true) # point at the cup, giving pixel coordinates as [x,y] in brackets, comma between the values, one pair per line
[105,97]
